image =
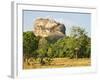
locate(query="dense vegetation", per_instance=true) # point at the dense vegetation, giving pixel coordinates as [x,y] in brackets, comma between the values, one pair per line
[76,45]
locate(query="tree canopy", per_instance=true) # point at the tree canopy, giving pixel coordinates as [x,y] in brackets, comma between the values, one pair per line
[76,45]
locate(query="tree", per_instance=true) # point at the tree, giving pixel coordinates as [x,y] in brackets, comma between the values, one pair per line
[42,50]
[42,55]
[77,45]
[30,44]
[50,55]
[83,40]
[77,32]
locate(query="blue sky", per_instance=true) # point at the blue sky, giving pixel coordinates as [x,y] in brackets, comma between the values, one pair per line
[68,19]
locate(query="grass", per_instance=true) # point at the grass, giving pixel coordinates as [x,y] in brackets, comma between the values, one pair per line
[59,63]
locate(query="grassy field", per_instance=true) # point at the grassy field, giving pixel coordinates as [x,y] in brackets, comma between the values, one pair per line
[59,63]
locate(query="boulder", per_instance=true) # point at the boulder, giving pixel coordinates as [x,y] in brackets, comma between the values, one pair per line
[45,27]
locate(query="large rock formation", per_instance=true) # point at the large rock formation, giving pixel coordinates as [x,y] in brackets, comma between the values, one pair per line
[48,28]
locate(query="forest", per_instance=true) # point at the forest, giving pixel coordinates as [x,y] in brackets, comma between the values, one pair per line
[40,52]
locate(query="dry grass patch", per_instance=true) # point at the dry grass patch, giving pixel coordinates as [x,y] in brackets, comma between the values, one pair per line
[59,63]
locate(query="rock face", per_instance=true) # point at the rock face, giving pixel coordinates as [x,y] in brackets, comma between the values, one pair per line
[48,28]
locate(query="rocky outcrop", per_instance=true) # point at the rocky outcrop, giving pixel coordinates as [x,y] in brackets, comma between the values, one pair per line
[48,28]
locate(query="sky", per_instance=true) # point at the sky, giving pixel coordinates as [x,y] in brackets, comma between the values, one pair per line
[69,19]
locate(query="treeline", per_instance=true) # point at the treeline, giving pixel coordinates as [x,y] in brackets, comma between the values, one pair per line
[76,45]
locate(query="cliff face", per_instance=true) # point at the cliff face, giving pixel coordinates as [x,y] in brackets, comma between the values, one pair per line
[48,28]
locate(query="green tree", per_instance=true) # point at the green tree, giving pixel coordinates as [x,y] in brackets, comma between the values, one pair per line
[50,55]
[77,45]
[83,41]
[30,44]
[42,55]
[42,50]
